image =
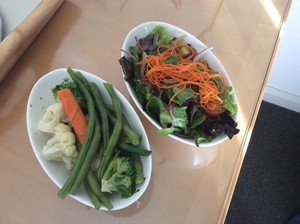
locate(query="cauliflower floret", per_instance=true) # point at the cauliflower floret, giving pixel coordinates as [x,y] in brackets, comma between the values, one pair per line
[61,147]
[55,114]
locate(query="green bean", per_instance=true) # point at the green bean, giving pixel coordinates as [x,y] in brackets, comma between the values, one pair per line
[64,191]
[94,198]
[94,185]
[96,136]
[125,139]
[88,159]
[139,178]
[110,167]
[137,149]
[83,80]
[126,130]
[99,104]
[113,140]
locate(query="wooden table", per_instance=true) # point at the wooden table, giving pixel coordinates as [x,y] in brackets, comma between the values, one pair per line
[189,184]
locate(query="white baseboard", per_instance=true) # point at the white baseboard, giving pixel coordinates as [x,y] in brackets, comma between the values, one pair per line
[282,98]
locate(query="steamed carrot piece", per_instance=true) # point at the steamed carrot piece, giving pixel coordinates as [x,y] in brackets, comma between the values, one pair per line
[74,113]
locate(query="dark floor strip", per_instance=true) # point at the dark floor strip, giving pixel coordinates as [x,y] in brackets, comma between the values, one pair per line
[268,188]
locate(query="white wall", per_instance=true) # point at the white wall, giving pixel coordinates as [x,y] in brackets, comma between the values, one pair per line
[283,87]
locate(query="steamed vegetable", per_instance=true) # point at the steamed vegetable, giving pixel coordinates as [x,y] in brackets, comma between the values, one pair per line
[178,89]
[137,162]
[116,132]
[120,177]
[134,149]
[94,185]
[61,147]
[100,108]
[54,115]
[69,84]
[95,153]
[89,146]
[74,113]
[132,137]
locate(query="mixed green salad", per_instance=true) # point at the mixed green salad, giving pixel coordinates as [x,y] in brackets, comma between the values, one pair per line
[178,89]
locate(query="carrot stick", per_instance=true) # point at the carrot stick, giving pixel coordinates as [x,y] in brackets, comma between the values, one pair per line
[74,113]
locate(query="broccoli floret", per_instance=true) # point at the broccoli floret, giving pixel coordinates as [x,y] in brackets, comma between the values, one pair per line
[69,84]
[120,177]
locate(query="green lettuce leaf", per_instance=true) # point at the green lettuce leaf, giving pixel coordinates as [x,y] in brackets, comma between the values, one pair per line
[198,120]
[202,139]
[163,37]
[174,119]
[228,102]
[182,97]
[154,107]
[172,59]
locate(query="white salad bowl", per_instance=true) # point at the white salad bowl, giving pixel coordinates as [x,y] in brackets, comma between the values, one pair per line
[41,97]
[143,30]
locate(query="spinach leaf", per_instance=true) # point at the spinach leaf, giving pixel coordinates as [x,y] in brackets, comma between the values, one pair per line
[198,120]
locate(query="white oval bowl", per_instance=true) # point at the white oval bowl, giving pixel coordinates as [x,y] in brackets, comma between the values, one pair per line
[143,30]
[41,97]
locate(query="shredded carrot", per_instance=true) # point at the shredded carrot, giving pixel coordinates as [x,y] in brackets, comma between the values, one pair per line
[187,73]
[74,113]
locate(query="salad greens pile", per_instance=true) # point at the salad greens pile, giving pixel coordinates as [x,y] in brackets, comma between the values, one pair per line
[184,116]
